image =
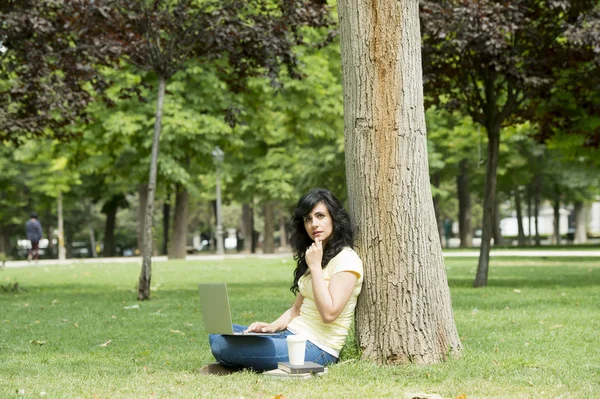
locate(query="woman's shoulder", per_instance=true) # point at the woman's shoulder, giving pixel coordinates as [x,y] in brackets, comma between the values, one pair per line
[348,254]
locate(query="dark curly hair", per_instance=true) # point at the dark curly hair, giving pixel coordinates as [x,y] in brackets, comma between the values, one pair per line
[341,236]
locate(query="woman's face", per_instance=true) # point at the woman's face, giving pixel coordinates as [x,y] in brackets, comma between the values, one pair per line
[318,223]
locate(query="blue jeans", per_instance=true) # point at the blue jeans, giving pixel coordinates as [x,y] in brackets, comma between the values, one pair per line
[260,352]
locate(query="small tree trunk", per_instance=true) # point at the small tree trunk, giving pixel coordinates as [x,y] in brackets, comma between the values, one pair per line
[283,242]
[62,252]
[529,214]
[580,223]
[109,229]
[497,232]
[404,312]
[556,222]
[146,273]
[518,207]
[464,205]
[166,222]
[178,247]
[536,206]
[489,204]
[268,232]
[143,201]
[247,227]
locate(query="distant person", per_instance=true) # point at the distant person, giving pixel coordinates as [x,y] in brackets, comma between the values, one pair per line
[33,229]
[327,281]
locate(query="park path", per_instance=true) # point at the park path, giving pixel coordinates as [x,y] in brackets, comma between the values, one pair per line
[211,257]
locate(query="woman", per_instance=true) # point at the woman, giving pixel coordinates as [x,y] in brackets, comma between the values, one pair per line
[327,280]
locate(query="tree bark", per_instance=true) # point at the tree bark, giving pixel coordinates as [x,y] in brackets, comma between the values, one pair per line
[62,252]
[166,222]
[143,201]
[146,273]
[537,194]
[247,227]
[465,229]
[519,209]
[580,223]
[497,233]
[178,247]
[268,232]
[283,242]
[110,210]
[529,213]
[556,221]
[489,204]
[404,312]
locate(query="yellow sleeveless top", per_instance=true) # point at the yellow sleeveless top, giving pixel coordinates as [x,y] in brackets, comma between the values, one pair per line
[329,337]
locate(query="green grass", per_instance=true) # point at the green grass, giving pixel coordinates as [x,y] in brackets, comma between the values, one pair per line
[532,333]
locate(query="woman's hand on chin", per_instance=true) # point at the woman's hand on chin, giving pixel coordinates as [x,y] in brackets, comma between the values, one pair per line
[314,254]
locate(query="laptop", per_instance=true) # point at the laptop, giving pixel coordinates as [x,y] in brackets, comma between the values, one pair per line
[214,305]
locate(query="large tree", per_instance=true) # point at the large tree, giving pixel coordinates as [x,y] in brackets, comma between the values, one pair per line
[404,312]
[490,59]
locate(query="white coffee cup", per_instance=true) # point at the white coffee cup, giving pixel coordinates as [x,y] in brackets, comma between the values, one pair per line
[296,348]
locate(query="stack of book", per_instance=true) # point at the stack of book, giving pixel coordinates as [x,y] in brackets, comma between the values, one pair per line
[307,370]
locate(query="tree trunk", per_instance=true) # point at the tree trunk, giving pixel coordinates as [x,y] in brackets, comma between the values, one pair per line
[143,201]
[62,252]
[435,181]
[110,210]
[146,273]
[465,229]
[268,232]
[283,242]
[247,227]
[497,233]
[580,223]
[166,222]
[536,206]
[489,204]
[5,240]
[404,312]
[556,222]
[518,207]
[178,247]
[529,213]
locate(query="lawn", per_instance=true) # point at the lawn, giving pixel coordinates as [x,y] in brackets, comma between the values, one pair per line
[76,331]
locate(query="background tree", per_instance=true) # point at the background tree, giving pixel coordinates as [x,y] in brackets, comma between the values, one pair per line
[488,58]
[404,311]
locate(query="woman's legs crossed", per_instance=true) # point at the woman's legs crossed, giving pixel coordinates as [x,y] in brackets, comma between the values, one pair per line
[257,352]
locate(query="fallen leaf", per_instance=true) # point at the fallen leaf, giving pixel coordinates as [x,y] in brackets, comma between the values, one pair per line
[55,301]
[113,316]
[136,306]
[75,325]
[556,326]
[461,396]
[104,345]
[530,383]
[37,342]
[279,396]
[20,391]
[518,291]
[65,320]
[26,305]
[177,332]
